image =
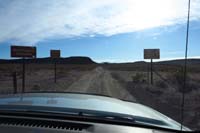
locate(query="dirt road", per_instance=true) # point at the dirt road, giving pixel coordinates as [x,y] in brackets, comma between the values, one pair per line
[100,81]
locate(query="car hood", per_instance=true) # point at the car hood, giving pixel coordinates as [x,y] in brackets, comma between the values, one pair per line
[87,102]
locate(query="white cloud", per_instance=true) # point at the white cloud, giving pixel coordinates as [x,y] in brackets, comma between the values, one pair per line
[28,22]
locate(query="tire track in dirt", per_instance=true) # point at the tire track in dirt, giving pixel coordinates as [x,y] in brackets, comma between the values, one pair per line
[100,81]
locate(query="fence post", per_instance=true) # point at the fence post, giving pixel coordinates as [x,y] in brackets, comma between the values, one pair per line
[14,82]
[151,71]
[55,72]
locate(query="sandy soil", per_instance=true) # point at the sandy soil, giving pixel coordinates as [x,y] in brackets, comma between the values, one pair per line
[100,81]
[162,96]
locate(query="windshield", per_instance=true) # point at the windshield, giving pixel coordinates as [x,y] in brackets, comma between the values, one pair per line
[143,52]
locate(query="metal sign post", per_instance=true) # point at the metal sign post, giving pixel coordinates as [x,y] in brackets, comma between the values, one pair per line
[23,52]
[55,72]
[152,71]
[55,54]
[15,82]
[151,54]
[148,73]
[23,77]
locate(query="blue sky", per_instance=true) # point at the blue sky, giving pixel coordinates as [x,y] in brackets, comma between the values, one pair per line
[107,30]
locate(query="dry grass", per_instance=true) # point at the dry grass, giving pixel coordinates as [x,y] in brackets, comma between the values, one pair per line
[41,76]
[164,95]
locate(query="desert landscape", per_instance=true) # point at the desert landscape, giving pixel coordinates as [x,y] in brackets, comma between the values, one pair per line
[126,81]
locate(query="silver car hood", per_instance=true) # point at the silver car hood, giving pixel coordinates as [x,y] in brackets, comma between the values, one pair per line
[87,102]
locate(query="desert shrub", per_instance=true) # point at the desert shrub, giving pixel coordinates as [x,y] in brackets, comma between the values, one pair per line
[36,88]
[138,78]
[6,91]
[161,84]
[178,76]
[118,77]
[154,90]
[192,85]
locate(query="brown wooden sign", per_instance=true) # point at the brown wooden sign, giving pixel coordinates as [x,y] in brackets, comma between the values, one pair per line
[23,51]
[151,53]
[55,53]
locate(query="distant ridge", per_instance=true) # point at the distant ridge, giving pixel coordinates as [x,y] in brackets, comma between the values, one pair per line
[68,60]
[181,62]
[87,60]
[167,62]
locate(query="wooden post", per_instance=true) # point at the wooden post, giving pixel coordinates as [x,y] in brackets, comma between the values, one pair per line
[151,71]
[14,82]
[148,73]
[55,65]
[23,76]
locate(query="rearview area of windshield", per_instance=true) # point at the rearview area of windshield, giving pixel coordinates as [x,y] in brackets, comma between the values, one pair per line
[144,53]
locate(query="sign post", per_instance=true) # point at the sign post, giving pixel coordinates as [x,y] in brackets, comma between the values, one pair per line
[23,52]
[14,82]
[151,54]
[148,67]
[151,71]
[55,72]
[23,77]
[55,54]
